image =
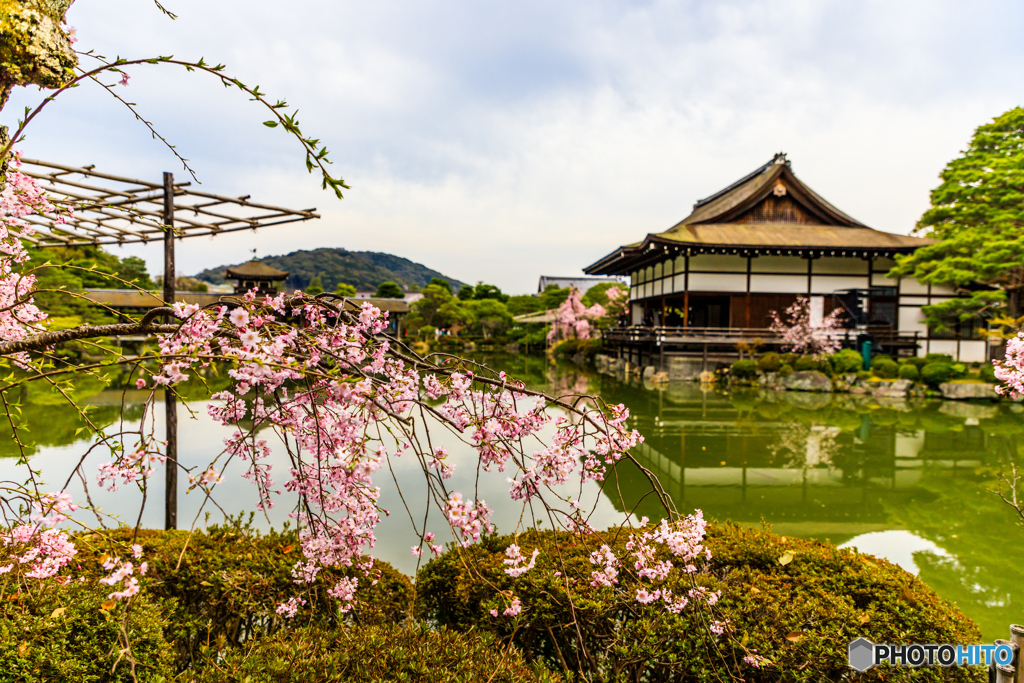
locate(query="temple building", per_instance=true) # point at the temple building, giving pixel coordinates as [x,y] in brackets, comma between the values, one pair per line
[755,247]
[256,274]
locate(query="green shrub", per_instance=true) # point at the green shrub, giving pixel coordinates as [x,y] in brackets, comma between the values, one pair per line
[769,362]
[863,374]
[938,358]
[918,361]
[771,588]
[937,373]
[373,654]
[988,373]
[847,361]
[910,371]
[231,580]
[743,369]
[884,367]
[805,363]
[786,370]
[816,363]
[789,358]
[53,632]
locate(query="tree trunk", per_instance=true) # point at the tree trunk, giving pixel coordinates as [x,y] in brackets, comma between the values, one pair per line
[1013,303]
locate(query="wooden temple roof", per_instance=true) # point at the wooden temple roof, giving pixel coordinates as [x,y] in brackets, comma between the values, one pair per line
[769,211]
[255,270]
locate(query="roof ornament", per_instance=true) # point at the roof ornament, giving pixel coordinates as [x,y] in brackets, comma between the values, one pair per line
[780,158]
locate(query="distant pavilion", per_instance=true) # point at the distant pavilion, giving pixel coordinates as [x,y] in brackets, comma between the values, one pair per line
[756,246]
[256,274]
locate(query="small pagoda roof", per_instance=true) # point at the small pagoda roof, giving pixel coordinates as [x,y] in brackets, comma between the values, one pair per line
[255,270]
[739,219]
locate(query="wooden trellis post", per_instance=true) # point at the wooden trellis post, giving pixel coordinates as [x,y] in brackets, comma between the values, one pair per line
[110,209]
[170,401]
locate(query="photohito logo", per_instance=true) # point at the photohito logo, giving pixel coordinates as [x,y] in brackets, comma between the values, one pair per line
[863,654]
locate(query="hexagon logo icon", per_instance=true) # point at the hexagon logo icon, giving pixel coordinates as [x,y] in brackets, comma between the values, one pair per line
[861,654]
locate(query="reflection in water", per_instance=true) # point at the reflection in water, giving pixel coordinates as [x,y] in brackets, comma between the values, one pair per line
[908,481]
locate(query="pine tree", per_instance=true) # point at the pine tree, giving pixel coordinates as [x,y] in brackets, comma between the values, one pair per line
[977,214]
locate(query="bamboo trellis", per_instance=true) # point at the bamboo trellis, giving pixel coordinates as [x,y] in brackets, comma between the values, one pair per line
[108,209]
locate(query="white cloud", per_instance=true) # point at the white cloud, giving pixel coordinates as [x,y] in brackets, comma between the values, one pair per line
[499,142]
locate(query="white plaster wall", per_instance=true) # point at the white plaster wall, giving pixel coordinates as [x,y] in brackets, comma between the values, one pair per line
[826,284]
[911,320]
[880,280]
[637,314]
[941,346]
[657,270]
[838,265]
[634,293]
[718,263]
[788,284]
[657,285]
[883,264]
[679,283]
[909,285]
[973,351]
[778,264]
[666,268]
[941,290]
[718,282]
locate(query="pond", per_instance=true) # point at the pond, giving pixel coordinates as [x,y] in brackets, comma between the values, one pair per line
[909,481]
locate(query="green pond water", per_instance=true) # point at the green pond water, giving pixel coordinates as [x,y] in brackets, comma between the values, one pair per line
[912,481]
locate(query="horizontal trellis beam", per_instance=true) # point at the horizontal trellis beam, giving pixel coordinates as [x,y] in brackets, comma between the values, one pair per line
[113,209]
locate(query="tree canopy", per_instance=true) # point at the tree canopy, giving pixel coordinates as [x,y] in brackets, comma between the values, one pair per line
[977,214]
[344,289]
[315,286]
[389,290]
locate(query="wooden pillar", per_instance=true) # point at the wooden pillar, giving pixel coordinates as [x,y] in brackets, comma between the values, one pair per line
[170,402]
[750,262]
[686,291]
[810,269]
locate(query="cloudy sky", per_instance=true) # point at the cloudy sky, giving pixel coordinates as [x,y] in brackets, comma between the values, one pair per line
[502,141]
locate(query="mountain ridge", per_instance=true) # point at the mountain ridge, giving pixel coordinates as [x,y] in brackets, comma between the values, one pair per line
[364,270]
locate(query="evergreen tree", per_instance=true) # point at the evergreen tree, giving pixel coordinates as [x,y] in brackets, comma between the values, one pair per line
[977,214]
[315,286]
[389,290]
[441,282]
[344,289]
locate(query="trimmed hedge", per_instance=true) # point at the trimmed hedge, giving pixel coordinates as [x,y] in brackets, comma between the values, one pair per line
[818,363]
[231,580]
[54,632]
[884,367]
[937,373]
[847,361]
[786,370]
[743,369]
[374,654]
[988,374]
[910,371]
[769,362]
[796,602]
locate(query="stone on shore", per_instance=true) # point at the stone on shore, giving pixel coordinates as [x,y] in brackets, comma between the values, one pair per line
[808,380]
[961,391]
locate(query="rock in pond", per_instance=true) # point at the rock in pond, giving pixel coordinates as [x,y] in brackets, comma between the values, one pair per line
[961,391]
[807,380]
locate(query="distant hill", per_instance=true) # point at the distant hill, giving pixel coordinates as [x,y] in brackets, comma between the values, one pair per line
[364,270]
